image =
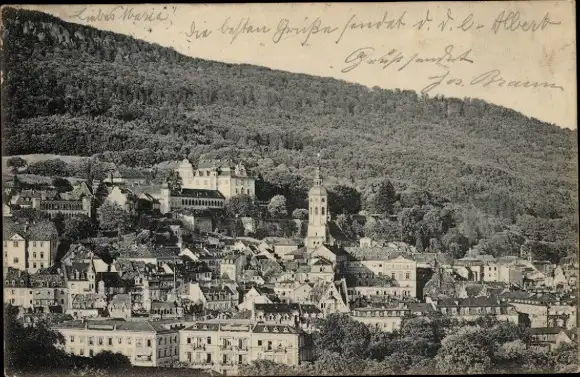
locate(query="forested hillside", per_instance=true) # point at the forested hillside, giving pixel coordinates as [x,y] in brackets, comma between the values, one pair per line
[75,90]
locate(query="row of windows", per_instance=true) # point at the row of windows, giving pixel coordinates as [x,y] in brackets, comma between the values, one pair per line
[387,266]
[109,341]
[201,202]
[75,206]
[165,353]
[386,313]
[315,211]
[16,243]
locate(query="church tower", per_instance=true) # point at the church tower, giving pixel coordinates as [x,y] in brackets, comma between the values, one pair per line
[317,234]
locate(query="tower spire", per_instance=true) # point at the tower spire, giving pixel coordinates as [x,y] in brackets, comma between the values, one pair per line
[318,177]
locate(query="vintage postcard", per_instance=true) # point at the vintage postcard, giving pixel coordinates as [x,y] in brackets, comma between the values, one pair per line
[290,189]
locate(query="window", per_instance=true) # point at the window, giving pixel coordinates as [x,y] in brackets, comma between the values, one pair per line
[82,352]
[33,264]
[322,210]
[128,340]
[41,244]
[42,265]
[148,342]
[15,260]
[259,342]
[208,358]
[72,338]
[41,255]
[208,340]
[189,357]
[34,255]
[100,340]
[269,345]
[407,276]
[91,353]
[15,243]
[110,341]
[91,341]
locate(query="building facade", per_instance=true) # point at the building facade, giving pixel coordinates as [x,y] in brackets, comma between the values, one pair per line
[229,180]
[225,345]
[145,343]
[317,233]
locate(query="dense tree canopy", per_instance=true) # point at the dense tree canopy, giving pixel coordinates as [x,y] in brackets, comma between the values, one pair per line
[77,91]
[433,344]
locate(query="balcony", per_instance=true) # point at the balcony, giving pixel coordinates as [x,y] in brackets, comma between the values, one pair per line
[198,347]
[276,349]
[202,363]
[231,347]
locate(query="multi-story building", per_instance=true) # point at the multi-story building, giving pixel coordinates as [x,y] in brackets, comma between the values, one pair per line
[194,199]
[145,343]
[224,345]
[401,270]
[293,291]
[320,270]
[29,247]
[72,203]
[14,250]
[472,308]
[230,180]
[49,289]
[42,246]
[80,279]
[232,266]
[17,290]
[385,319]
[542,310]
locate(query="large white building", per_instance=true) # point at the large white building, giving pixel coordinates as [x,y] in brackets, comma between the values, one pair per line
[29,247]
[224,345]
[215,175]
[145,343]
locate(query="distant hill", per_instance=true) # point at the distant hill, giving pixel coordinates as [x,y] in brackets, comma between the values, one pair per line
[75,90]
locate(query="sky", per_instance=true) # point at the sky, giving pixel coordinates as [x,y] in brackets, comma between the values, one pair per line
[521,55]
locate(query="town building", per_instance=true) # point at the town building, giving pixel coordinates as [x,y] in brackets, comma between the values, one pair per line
[224,345]
[387,319]
[79,201]
[230,180]
[145,343]
[29,247]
